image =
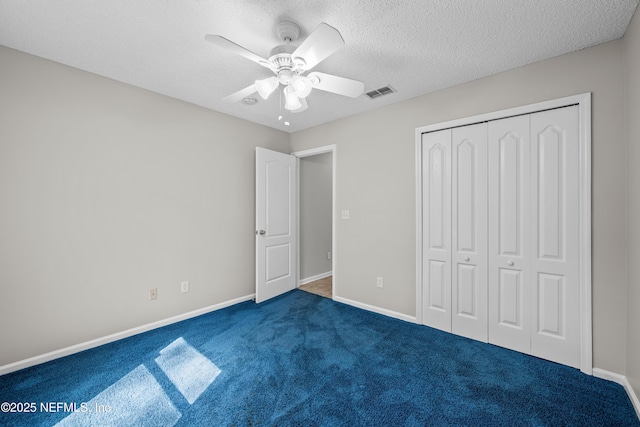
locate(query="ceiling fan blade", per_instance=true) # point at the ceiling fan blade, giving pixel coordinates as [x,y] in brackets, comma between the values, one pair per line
[335,84]
[237,49]
[321,43]
[241,94]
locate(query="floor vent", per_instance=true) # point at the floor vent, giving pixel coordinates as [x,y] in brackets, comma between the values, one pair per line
[386,90]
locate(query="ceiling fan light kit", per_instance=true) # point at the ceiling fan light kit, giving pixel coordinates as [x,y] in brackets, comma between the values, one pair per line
[266,87]
[301,85]
[289,63]
[293,102]
[303,106]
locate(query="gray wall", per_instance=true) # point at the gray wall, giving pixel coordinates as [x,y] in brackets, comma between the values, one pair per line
[632,79]
[107,190]
[376,181]
[315,214]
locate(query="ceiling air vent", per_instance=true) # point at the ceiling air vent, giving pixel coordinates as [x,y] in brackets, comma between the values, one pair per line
[386,90]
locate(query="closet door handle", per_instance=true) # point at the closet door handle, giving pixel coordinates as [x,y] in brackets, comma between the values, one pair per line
[510,262]
[467,258]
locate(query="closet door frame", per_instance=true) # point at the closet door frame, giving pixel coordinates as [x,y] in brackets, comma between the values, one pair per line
[583,101]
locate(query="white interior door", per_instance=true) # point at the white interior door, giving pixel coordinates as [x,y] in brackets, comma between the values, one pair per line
[275,223]
[469,231]
[555,227]
[436,262]
[509,228]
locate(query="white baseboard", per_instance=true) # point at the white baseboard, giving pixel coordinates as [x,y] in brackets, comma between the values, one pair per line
[624,382]
[375,309]
[36,360]
[314,278]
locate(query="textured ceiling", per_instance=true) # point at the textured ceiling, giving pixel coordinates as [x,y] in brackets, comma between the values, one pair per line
[416,46]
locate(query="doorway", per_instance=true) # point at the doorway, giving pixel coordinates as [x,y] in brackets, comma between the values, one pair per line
[316,229]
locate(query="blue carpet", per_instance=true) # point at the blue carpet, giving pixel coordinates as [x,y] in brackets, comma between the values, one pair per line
[303,360]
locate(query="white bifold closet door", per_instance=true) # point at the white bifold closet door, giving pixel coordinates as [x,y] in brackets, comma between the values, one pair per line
[510,231]
[534,259]
[501,233]
[469,232]
[455,233]
[436,295]
[555,225]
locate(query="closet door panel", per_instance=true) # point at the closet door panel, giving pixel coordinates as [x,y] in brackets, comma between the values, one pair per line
[469,231]
[509,228]
[510,303]
[555,191]
[436,264]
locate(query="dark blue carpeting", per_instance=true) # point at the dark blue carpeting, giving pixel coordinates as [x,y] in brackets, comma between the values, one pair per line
[304,360]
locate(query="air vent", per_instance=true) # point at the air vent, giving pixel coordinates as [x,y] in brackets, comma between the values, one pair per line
[250,100]
[386,90]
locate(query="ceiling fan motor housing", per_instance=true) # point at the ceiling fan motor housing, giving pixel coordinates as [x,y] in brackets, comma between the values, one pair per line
[283,64]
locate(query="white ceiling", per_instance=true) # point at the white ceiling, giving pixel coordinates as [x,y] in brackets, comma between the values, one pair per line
[416,46]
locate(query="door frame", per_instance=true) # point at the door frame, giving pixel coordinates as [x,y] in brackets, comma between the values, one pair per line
[307,153]
[583,101]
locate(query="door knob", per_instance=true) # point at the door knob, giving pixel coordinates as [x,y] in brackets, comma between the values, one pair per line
[510,262]
[261,232]
[467,258]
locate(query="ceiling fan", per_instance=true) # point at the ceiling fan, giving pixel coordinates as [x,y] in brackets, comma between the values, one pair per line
[289,63]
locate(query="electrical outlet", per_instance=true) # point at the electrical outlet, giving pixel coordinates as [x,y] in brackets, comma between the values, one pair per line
[379,282]
[328,255]
[184,287]
[153,294]
[345,214]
